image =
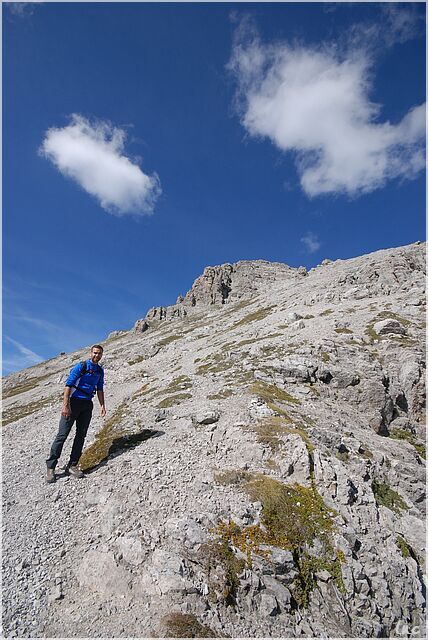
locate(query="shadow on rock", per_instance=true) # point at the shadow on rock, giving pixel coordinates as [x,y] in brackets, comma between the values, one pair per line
[121,444]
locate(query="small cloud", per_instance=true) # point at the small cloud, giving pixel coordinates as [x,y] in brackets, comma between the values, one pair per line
[311,242]
[92,154]
[20,357]
[314,102]
[21,9]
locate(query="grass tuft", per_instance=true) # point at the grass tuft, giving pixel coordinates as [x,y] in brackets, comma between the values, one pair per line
[387,497]
[185,625]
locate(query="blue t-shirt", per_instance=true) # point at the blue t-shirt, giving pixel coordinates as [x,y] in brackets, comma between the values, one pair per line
[84,386]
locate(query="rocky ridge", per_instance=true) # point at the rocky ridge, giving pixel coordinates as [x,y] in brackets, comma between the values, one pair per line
[261,471]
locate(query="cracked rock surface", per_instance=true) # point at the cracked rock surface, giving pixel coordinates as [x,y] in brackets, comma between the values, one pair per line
[262,381]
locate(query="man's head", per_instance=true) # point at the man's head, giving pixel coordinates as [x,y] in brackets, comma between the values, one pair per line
[96,352]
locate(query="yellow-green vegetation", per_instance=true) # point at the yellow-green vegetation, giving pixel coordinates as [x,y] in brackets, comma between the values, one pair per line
[365,452]
[16,412]
[271,464]
[325,357]
[269,393]
[401,434]
[269,431]
[180,383]
[171,401]
[254,340]
[168,340]
[221,395]
[383,315]
[343,330]
[238,306]
[99,450]
[326,312]
[27,385]
[215,363]
[185,625]
[136,360]
[260,314]
[387,497]
[403,546]
[293,518]
[222,568]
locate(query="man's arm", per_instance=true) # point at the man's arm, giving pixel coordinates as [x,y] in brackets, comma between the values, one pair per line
[100,395]
[66,411]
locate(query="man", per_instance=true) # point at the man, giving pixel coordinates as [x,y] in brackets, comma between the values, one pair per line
[85,379]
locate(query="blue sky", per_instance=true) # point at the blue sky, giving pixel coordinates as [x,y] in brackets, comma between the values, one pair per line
[143,142]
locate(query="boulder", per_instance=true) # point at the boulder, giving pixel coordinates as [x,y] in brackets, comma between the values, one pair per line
[384,327]
[99,572]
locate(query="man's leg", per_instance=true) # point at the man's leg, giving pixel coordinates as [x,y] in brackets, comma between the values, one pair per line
[82,423]
[65,425]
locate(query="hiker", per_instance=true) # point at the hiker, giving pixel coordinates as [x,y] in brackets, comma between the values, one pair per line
[85,379]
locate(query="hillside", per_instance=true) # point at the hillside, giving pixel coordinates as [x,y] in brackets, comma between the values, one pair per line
[260,472]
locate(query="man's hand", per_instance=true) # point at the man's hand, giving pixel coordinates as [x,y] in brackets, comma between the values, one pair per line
[66,411]
[103,412]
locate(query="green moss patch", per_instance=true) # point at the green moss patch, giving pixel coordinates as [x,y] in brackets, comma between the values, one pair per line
[185,625]
[293,518]
[402,434]
[99,450]
[387,497]
[222,568]
[326,312]
[343,330]
[270,393]
[403,546]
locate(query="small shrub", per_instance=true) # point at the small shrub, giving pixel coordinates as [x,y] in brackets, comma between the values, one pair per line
[223,569]
[387,497]
[271,393]
[185,625]
[326,312]
[293,518]
[403,546]
[402,434]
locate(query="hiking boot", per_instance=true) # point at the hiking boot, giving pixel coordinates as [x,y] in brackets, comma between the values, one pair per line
[50,476]
[74,471]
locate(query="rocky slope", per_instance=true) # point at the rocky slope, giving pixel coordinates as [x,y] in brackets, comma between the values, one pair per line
[261,471]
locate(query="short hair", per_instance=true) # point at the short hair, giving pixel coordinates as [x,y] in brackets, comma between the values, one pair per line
[97,346]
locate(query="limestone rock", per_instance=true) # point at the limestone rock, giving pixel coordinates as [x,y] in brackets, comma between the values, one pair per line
[383,327]
[99,572]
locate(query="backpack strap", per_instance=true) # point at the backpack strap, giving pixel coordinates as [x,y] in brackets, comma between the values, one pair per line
[82,373]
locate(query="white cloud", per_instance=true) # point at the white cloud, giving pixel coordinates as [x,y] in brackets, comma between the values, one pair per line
[315,103]
[92,155]
[22,9]
[311,242]
[21,357]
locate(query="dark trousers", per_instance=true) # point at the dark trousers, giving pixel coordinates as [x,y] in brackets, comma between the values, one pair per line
[81,413]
